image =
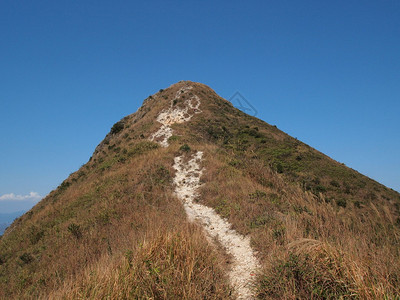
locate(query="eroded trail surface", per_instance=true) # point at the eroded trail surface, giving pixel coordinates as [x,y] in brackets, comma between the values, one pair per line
[176,114]
[187,183]
[245,264]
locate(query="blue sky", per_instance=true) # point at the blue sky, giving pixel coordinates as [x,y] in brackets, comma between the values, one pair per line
[326,72]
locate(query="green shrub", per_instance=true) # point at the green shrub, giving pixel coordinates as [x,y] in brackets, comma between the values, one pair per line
[234,162]
[173,138]
[26,258]
[64,185]
[35,235]
[260,221]
[347,188]
[258,195]
[141,148]
[75,230]
[279,168]
[274,198]
[335,183]
[161,175]
[370,196]
[341,202]
[185,148]
[320,189]
[117,127]
[278,233]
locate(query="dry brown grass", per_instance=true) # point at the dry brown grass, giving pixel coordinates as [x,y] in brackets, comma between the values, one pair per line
[114,229]
[309,248]
[115,210]
[177,264]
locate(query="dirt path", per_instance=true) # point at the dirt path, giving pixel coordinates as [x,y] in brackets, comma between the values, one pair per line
[187,183]
[176,114]
[244,264]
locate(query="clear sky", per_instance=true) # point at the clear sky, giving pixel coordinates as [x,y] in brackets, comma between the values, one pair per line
[326,72]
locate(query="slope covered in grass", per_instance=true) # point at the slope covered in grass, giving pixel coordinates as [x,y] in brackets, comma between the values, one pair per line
[115,229]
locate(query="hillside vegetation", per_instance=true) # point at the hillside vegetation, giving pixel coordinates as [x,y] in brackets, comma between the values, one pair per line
[115,230]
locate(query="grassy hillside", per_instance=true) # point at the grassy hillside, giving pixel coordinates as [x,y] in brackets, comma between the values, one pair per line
[114,229]
[114,221]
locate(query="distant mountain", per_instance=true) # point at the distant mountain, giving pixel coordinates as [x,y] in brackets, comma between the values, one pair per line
[10,217]
[191,198]
[3,227]
[7,219]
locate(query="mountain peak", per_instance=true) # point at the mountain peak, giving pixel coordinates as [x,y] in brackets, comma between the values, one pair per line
[188,83]
[190,197]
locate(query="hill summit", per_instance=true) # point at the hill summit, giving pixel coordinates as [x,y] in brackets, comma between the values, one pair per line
[191,198]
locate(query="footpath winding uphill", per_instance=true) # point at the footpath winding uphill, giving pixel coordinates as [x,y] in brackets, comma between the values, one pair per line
[175,114]
[187,183]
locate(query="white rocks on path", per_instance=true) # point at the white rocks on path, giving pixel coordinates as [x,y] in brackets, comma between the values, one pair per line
[176,114]
[245,264]
[187,183]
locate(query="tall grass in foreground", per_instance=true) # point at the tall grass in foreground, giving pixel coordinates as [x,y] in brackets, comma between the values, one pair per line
[310,248]
[176,264]
[115,232]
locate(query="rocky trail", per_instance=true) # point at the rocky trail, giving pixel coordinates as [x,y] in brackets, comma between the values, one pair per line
[187,182]
[176,114]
